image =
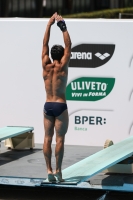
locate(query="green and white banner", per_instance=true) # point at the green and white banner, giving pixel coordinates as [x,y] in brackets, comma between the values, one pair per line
[89,88]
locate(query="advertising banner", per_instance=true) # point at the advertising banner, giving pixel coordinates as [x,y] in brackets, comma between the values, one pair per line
[99,90]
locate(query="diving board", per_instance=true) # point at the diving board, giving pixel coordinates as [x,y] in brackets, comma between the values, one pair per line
[17,136]
[88,167]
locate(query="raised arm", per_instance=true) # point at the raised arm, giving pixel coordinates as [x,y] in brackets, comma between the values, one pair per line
[45,49]
[67,40]
[67,50]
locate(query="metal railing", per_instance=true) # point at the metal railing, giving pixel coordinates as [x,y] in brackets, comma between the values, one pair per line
[125,15]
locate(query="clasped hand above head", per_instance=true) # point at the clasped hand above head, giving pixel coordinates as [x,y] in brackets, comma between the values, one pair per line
[54,17]
[60,22]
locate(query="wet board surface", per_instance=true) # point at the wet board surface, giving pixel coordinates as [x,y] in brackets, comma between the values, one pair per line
[66,182]
[20,181]
[88,167]
[12,131]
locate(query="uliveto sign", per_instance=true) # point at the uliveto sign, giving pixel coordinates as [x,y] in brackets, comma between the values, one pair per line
[89,88]
[91,55]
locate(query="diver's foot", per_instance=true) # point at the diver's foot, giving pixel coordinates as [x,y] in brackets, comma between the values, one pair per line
[58,175]
[51,177]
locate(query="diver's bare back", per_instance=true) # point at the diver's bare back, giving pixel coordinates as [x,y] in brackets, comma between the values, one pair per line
[55,79]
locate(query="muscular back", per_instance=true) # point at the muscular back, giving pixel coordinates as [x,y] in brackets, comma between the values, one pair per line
[55,79]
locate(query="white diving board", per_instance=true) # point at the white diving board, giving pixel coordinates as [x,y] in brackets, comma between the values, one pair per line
[12,131]
[92,165]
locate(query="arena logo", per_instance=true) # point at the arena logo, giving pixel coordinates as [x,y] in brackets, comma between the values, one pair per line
[91,55]
[89,88]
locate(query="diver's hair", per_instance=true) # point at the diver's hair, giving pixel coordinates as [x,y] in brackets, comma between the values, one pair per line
[57,52]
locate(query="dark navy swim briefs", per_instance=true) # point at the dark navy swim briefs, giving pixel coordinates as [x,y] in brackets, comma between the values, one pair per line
[54,108]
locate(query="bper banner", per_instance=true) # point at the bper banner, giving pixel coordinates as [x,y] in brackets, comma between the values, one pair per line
[99,90]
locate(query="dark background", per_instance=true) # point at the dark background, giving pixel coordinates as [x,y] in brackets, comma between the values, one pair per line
[36,8]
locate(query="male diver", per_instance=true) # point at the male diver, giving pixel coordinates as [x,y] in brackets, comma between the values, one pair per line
[55,75]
